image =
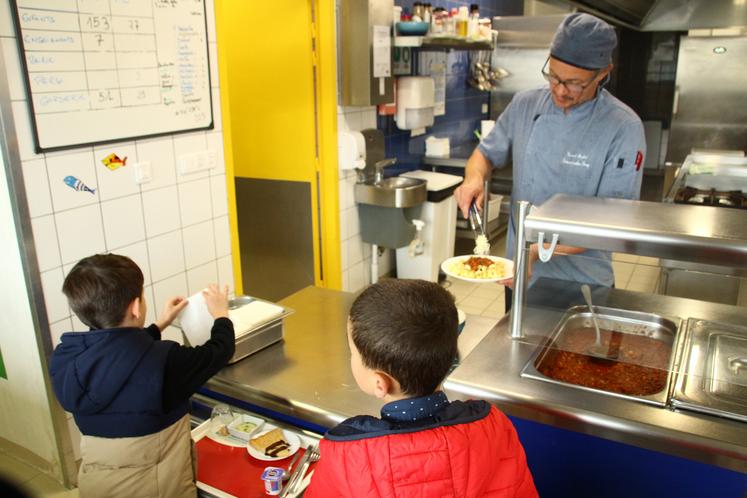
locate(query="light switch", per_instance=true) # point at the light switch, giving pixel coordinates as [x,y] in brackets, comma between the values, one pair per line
[196,161]
[143,173]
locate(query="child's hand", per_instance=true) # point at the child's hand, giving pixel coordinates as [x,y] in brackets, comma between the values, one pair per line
[172,308]
[216,300]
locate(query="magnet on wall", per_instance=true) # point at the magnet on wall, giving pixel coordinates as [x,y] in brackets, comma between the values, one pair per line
[113,162]
[78,185]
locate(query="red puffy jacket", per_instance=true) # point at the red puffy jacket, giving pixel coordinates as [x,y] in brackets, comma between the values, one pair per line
[479,458]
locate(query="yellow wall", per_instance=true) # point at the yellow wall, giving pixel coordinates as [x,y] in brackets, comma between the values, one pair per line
[267,88]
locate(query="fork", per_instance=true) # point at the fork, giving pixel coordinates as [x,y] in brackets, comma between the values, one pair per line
[297,485]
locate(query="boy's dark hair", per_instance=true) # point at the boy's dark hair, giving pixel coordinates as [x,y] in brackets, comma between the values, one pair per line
[99,288]
[408,329]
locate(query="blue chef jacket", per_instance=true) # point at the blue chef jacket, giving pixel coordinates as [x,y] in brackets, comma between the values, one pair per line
[596,150]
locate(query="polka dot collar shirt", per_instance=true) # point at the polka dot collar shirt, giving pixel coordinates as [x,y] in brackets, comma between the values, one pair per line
[412,409]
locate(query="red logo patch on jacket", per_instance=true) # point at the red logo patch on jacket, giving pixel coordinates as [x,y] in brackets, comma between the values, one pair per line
[638,160]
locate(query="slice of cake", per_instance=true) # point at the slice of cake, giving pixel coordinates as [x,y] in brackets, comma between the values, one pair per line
[271,444]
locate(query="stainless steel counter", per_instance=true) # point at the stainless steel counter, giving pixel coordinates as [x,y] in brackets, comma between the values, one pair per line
[308,374]
[492,372]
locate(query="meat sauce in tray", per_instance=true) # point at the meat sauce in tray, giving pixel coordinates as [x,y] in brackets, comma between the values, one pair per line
[645,345]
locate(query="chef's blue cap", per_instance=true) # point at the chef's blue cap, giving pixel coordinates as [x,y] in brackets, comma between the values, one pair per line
[584,41]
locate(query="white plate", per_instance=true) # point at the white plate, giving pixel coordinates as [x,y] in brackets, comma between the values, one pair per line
[508,265]
[292,439]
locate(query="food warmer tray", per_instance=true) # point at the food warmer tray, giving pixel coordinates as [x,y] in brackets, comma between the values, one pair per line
[256,335]
[713,378]
[616,320]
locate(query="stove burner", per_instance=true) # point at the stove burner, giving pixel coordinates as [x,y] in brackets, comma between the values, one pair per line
[713,197]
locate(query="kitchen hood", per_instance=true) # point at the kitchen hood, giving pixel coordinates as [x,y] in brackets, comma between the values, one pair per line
[668,15]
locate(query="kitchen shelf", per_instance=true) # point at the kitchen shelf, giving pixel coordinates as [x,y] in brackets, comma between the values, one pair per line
[441,43]
[701,234]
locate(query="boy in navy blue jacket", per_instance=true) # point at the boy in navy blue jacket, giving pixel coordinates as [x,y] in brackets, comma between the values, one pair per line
[127,389]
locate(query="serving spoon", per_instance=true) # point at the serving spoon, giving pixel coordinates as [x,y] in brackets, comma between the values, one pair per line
[597,352]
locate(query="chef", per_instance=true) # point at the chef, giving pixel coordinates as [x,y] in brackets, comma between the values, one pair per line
[570,137]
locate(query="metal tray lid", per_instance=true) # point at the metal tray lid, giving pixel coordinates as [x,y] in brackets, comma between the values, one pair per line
[713,378]
[249,314]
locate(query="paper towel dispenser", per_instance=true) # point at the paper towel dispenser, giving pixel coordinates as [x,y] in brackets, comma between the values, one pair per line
[415,102]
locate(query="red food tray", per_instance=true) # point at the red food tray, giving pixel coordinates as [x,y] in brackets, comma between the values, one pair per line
[232,470]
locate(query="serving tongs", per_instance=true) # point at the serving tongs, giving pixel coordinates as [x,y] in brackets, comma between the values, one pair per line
[597,352]
[475,222]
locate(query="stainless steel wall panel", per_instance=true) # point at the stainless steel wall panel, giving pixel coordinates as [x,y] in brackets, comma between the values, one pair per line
[275,236]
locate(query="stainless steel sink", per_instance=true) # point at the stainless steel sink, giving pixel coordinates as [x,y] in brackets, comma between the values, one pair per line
[395,192]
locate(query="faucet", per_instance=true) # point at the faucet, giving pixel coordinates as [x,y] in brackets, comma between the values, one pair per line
[379,168]
[375,160]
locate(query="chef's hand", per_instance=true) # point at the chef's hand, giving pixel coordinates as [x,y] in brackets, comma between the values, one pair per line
[216,300]
[172,308]
[532,257]
[471,189]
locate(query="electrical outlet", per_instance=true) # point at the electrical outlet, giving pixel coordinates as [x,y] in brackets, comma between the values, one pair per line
[196,161]
[143,172]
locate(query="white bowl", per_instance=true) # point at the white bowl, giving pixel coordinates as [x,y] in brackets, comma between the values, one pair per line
[243,434]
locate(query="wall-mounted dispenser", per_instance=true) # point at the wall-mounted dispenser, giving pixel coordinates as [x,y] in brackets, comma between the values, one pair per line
[366,52]
[415,102]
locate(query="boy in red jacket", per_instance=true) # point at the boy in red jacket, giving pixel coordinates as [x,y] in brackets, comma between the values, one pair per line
[403,340]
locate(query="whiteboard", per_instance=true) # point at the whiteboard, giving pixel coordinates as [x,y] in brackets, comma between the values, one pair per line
[105,70]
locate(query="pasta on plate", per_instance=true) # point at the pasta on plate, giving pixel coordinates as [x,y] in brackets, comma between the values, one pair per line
[478,267]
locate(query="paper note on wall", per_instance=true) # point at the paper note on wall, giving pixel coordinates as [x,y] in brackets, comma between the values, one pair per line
[382,52]
[434,65]
[196,321]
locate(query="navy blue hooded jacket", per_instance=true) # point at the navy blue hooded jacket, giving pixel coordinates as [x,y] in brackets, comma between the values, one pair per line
[112,380]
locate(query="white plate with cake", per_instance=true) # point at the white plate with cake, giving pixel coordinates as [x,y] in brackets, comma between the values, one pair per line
[273,444]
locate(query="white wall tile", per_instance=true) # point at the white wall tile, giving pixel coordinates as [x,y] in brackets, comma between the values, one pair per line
[166,255]
[22,120]
[345,199]
[202,276]
[217,114]
[159,152]
[78,165]
[13,69]
[344,254]
[210,19]
[80,233]
[153,309]
[368,118]
[121,181]
[359,277]
[123,221]
[353,222]
[355,250]
[215,143]
[161,210]
[36,182]
[58,328]
[222,236]
[185,144]
[137,252]
[45,242]
[78,326]
[225,273]
[352,119]
[74,437]
[195,202]
[173,334]
[6,21]
[219,195]
[213,55]
[199,244]
[344,226]
[346,280]
[171,287]
[54,299]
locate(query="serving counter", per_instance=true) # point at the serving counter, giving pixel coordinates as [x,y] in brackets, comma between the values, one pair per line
[306,380]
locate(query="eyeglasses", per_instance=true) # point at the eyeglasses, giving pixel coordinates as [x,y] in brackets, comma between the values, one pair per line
[573,86]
